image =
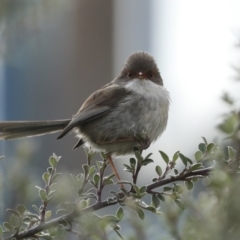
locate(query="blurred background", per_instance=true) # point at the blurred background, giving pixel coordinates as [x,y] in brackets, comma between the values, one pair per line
[53,54]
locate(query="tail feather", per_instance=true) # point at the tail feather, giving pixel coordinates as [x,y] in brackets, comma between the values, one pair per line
[19,129]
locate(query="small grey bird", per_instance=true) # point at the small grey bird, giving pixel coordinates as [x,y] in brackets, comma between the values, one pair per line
[130,111]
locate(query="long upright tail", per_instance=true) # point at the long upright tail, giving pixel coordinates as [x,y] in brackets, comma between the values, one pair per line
[20,129]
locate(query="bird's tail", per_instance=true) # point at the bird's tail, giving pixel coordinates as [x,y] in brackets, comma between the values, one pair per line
[20,129]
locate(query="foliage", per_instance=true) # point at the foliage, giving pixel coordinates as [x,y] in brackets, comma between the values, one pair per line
[79,217]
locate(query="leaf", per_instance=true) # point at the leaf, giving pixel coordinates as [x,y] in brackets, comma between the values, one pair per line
[120,214]
[108,181]
[14,220]
[138,155]
[167,189]
[145,162]
[53,162]
[48,214]
[205,140]
[179,204]
[8,226]
[42,194]
[21,209]
[231,153]
[85,168]
[140,213]
[196,166]
[61,233]
[96,179]
[127,168]
[188,184]
[175,156]
[202,147]
[179,188]
[176,171]
[155,201]
[132,162]
[92,170]
[56,175]
[161,197]
[158,171]
[143,189]
[45,177]
[210,147]
[198,155]
[137,190]
[164,157]
[183,158]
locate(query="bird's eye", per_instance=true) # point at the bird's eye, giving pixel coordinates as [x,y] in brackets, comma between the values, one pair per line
[129,75]
[150,75]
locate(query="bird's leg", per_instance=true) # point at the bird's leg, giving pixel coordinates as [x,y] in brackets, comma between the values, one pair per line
[109,158]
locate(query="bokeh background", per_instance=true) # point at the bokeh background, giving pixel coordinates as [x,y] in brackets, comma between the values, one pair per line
[53,54]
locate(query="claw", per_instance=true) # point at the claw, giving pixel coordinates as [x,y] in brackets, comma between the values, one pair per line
[143,140]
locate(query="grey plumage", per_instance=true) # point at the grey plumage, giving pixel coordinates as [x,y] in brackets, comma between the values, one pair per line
[110,119]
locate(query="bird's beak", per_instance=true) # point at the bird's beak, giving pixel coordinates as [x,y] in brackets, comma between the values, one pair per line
[141,75]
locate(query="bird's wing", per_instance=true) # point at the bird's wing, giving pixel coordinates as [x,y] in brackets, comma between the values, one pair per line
[97,105]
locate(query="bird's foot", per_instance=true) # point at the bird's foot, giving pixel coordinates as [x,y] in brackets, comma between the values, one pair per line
[143,140]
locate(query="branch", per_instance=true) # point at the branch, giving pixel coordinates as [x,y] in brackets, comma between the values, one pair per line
[201,173]
[60,220]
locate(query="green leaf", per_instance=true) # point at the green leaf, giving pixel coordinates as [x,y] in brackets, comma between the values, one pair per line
[210,147]
[198,156]
[137,190]
[14,220]
[179,188]
[161,197]
[138,156]
[179,204]
[85,168]
[143,189]
[196,166]
[56,175]
[140,213]
[158,171]
[167,189]
[175,156]
[127,168]
[53,162]
[231,153]
[8,226]
[155,201]
[132,162]
[176,171]
[188,184]
[61,233]
[164,157]
[120,213]
[45,177]
[108,181]
[1,231]
[202,147]
[205,141]
[96,179]
[92,170]
[183,158]
[42,194]
[48,214]
[21,209]
[99,164]
[145,162]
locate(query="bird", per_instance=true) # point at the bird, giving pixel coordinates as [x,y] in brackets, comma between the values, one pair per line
[129,112]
